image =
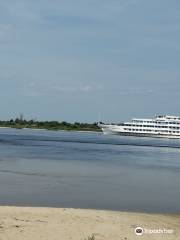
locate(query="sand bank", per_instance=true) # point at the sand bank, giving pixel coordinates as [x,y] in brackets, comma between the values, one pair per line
[26,223]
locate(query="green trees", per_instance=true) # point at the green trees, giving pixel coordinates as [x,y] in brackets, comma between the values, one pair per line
[50,125]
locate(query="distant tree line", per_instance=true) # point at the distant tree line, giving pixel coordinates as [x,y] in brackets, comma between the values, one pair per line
[20,122]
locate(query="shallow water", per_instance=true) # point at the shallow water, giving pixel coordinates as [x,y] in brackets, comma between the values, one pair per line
[89,170]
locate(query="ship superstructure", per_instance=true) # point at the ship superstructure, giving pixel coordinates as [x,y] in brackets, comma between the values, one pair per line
[160,126]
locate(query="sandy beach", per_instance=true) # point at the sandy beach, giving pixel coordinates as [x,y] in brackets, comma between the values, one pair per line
[27,223]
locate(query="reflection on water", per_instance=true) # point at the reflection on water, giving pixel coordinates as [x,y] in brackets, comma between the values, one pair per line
[89,170]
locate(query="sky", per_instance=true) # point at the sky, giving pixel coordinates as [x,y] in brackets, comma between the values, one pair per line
[89,60]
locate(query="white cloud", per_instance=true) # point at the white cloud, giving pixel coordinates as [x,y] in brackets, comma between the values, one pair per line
[37,89]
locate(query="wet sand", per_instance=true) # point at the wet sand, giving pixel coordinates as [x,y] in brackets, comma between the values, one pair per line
[27,223]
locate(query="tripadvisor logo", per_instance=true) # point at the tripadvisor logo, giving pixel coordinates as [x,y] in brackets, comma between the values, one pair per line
[139,231]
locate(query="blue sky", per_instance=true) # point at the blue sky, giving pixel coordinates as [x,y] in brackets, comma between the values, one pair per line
[72,60]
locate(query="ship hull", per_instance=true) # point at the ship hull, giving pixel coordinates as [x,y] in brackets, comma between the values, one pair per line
[147,135]
[122,133]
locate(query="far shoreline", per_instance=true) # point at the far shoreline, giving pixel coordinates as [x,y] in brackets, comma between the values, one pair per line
[20,123]
[53,130]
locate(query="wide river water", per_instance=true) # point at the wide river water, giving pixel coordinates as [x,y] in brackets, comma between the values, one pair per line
[89,170]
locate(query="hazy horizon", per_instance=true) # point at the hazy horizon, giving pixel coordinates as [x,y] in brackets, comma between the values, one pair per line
[74,60]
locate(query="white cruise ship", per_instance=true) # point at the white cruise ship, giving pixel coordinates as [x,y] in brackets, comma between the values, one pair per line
[160,126]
